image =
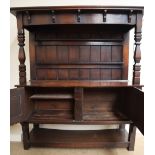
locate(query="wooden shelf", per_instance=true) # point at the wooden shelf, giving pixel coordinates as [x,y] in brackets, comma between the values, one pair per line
[105,116]
[45,65]
[51,96]
[51,116]
[86,39]
[78,83]
[40,137]
[67,117]
[79,58]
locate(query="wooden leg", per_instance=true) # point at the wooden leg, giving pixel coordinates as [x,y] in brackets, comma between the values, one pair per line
[36,125]
[122,126]
[131,138]
[26,136]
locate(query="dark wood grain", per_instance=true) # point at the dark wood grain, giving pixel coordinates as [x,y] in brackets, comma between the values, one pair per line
[131,138]
[69,61]
[21,54]
[95,7]
[135,102]
[51,96]
[102,10]
[78,104]
[78,139]
[16,109]
[66,117]
[137,52]
[26,135]
[53,104]
[79,60]
[77,83]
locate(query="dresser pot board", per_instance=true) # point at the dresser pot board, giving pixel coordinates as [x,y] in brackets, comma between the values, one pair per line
[79,59]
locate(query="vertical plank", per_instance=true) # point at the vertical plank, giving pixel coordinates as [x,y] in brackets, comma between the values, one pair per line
[46,54]
[63,74]
[78,104]
[32,54]
[84,53]
[51,55]
[84,74]
[73,54]
[106,53]
[95,54]
[116,74]
[41,54]
[41,74]
[125,56]
[117,54]
[73,74]
[95,74]
[51,74]
[106,74]
[62,54]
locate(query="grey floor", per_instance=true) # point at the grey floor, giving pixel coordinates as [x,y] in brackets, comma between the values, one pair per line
[17,149]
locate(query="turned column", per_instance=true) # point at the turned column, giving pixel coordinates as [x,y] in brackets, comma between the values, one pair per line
[136,73]
[21,55]
[137,52]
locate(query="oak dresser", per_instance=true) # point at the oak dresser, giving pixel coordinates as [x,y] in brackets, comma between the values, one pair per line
[79,60]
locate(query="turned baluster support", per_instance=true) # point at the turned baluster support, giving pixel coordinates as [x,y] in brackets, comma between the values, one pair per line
[137,52]
[21,55]
[136,73]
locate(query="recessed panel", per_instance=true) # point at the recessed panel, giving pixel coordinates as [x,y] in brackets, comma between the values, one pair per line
[63,74]
[105,74]
[74,54]
[84,53]
[95,74]
[95,54]
[105,53]
[84,74]
[116,74]
[74,74]
[62,54]
[117,53]
[46,54]
[51,74]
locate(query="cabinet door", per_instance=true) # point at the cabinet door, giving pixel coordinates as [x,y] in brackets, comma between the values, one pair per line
[17,97]
[134,107]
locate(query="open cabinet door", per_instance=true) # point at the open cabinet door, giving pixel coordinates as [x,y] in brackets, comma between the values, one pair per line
[134,107]
[16,103]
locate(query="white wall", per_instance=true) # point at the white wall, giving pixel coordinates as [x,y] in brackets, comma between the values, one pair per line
[16,129]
